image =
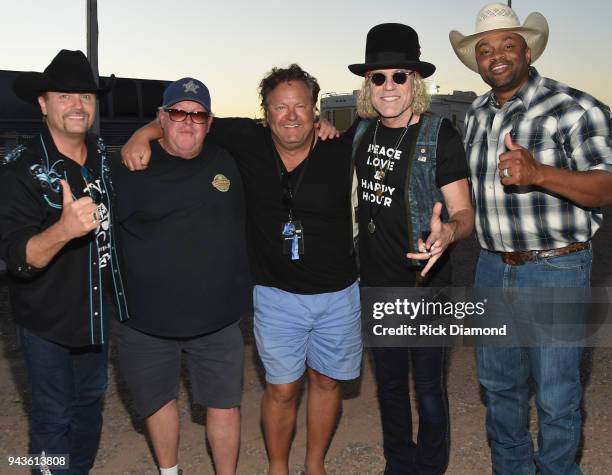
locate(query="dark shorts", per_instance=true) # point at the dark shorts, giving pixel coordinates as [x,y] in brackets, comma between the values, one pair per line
[151,367]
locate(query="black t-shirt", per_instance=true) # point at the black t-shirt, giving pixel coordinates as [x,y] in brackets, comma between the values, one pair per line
[383,253]
[182,235]
[322,204]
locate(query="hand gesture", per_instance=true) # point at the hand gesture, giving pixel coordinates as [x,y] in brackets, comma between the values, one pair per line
[136,154]
[325,130]
[517,166]
[78,216]
[440,236]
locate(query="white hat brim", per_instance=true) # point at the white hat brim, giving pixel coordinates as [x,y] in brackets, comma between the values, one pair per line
[534,30]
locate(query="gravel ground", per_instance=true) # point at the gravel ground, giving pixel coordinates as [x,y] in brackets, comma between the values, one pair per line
[356,446]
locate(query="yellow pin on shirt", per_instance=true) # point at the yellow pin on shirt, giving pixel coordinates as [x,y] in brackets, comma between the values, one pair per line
[221,183]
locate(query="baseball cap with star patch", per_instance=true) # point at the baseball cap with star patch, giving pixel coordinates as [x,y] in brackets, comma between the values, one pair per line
[187,89]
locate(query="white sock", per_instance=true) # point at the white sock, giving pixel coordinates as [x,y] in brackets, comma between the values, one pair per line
[169,471]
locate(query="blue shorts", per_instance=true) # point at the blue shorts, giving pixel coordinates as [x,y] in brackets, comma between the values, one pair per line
[321,331]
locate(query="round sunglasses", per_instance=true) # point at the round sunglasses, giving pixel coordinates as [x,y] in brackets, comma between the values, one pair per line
[398,77]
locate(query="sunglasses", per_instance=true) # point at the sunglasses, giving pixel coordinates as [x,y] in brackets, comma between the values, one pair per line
[178,115]
[398,77]
[89,178]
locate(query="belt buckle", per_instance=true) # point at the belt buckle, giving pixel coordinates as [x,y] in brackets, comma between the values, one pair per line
[513,258]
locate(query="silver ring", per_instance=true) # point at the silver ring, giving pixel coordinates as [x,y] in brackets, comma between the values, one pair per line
[506,173]
[430,254]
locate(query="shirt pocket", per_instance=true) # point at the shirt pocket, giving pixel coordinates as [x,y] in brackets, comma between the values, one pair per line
[539,135]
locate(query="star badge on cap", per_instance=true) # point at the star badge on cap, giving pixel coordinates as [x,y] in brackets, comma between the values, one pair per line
[191,87]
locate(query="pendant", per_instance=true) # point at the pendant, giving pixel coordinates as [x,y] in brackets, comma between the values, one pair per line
[371,226]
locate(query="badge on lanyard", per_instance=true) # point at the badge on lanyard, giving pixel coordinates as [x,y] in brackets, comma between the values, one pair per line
[292,232]
[293,239]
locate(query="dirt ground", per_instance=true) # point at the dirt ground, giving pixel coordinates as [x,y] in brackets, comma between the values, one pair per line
[356,448]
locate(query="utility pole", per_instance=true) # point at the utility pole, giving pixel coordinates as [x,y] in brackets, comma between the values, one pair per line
[92,51]
[510,3]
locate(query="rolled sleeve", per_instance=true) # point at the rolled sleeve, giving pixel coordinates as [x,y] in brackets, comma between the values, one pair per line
[589,142]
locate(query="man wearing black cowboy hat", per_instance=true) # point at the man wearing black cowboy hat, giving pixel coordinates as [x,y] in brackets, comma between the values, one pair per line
[57,238]
[411,172]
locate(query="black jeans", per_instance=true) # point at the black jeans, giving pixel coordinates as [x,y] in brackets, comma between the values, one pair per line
[429,455]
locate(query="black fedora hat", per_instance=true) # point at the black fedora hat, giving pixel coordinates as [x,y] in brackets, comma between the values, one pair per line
[69,71]
[393,45]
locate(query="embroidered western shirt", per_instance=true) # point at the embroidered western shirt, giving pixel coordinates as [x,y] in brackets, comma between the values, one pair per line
[67,301]
[561,127]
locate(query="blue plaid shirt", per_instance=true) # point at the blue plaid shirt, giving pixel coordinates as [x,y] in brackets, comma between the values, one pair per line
[561,127]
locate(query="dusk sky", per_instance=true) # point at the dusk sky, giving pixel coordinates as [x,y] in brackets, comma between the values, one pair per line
[230,45]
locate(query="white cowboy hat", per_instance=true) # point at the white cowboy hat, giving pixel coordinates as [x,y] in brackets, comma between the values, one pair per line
[497,16]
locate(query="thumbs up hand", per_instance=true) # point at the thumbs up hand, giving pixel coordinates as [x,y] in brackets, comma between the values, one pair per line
[517,166]
[510,145]
[78,216]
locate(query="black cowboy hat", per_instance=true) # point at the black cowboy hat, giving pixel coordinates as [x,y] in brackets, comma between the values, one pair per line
[69,71]
[393,45]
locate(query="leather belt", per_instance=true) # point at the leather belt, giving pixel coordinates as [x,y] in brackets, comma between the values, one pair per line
[518,258]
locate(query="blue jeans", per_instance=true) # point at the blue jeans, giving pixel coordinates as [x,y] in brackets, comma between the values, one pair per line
[556,371]
[429,455]
[67,386]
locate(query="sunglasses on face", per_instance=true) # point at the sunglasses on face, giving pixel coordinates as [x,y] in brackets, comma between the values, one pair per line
[398,77]
[178,115]
[92,190]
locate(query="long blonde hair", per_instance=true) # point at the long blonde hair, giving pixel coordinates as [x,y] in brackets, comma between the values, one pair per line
[420,101]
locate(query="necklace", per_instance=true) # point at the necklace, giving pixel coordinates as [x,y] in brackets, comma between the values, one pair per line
[382,169]
[381,172]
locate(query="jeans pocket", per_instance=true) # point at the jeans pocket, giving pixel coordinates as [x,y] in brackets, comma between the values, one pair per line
[580,260]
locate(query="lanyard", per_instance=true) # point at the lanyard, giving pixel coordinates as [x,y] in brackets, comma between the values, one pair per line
[290,193]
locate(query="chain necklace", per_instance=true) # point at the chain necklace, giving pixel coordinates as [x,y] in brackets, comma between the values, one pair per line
[381,172]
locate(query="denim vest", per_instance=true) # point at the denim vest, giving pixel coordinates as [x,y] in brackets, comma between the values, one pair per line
[420,189]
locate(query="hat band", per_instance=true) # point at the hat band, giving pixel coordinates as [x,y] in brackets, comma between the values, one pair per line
[497,23]
[391,56]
